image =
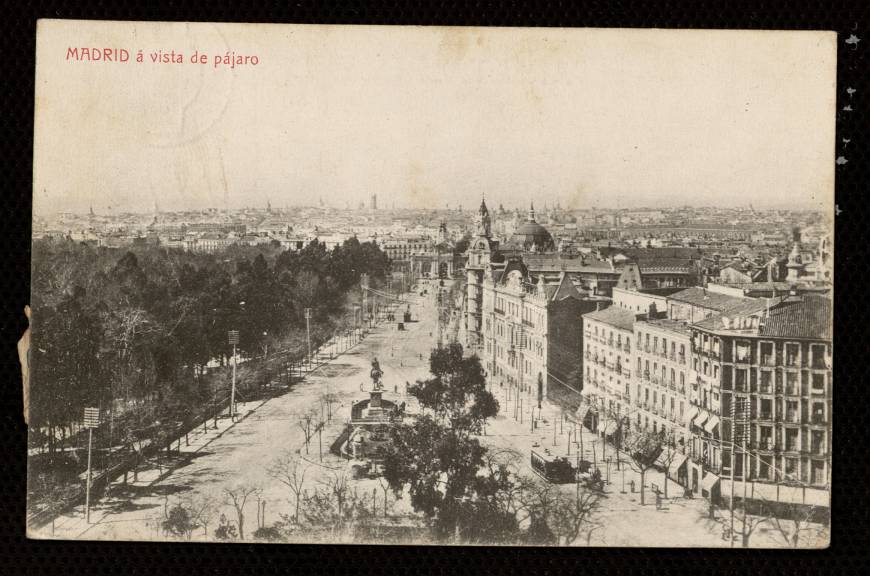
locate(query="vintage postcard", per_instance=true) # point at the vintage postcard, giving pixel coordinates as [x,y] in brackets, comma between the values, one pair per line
[432,285]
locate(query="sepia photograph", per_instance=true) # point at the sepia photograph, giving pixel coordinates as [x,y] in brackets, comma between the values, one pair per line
[429,285]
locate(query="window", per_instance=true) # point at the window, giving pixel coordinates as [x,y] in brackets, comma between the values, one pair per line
[818,383]
[791,439]
[791,384]
[765,438]
[741,351]
[791,468]
[767,353]
[764,467]
[818,412]
[817,442]
[766,384]
[818,354]
[792,411]
[818,471]
[792,352]
[766,409]
[740,379]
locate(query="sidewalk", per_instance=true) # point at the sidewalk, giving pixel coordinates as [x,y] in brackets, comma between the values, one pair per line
[73,524]
[675,521]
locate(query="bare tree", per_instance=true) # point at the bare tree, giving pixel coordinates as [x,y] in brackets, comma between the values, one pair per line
[567,515]
[290,471]
[336,485]
[238,496]
[306,419]
[385,487]
[329,399]
[793,519]
[643,448]
[201,508]
[573,515]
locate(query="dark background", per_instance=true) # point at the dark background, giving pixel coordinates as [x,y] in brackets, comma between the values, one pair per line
[848,551]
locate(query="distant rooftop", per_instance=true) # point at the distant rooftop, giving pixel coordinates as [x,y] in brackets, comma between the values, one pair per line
[698,296]
[808,316]
[676,326]
[614,316]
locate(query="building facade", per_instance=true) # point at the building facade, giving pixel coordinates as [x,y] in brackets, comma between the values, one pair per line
[771,366]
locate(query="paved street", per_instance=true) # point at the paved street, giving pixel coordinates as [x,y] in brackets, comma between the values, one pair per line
[238,454]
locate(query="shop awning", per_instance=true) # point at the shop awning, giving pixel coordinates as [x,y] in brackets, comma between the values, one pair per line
[711,424]
[700,418]
[676,463]
[664,456]
[693,411]
[710,480]
[582,411]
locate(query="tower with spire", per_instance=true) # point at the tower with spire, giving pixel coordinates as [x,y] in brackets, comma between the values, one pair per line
[478,261]
[483,221]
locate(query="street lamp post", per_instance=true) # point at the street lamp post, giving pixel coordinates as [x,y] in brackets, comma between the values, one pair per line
[234,340]
[308,334]
[91,421]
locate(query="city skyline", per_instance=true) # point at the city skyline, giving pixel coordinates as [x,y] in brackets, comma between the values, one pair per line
[589,119]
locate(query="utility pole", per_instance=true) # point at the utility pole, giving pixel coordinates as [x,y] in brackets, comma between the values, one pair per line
[234,340]
[308,333]
[364,279]
[744,438]
[92,420]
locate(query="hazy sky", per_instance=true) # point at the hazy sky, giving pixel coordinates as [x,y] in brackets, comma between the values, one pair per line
[430,116]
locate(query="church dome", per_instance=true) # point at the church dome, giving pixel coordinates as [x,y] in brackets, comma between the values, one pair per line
[531,236]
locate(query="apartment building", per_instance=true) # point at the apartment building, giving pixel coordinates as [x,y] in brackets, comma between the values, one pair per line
[769,369]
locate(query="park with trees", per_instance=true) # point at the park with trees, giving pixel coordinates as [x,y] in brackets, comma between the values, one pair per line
[142,334]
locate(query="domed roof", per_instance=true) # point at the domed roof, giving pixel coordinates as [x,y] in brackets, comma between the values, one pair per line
[532,236]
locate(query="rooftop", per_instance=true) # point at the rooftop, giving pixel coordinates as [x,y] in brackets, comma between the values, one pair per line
[704,298]
[675,326]
[807,317]
[614,316]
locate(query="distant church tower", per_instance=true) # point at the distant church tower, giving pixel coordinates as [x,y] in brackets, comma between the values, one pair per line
[442,233]
[478,260]
[795,264]
[374,202]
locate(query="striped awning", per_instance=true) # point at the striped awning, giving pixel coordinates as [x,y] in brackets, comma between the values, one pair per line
[709,481]
[676,463]
[700,418]
[711,424]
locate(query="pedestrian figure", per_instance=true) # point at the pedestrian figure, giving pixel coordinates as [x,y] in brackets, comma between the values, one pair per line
[658,500]
[396,388]
[631,485]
